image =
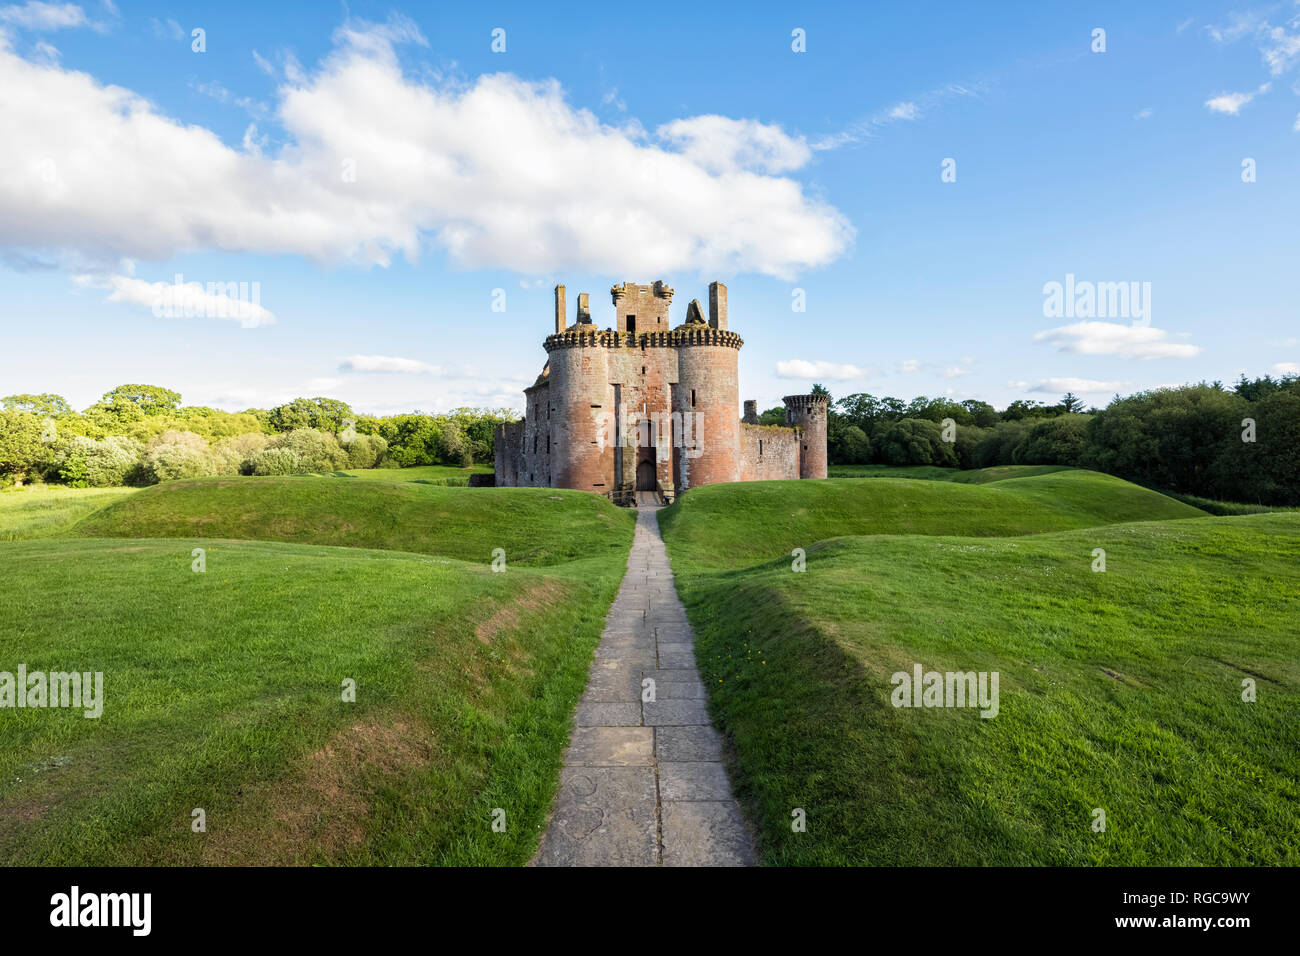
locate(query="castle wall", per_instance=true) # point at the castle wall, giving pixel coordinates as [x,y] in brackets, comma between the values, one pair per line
[768,452]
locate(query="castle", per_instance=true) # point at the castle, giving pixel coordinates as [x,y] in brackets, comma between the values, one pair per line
[645,407]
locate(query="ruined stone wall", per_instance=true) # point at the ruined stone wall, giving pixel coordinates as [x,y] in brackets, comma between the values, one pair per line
[768,452]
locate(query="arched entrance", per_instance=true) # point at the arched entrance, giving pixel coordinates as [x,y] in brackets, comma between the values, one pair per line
[645,476]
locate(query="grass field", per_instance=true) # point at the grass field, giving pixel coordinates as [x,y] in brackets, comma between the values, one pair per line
[434,474]
[735,523]
[223,689]
[1119,691]
[973,476]
[43,511]
[534,525]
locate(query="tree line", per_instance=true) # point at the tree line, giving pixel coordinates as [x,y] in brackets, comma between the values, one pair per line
[142,434]
[1239,443]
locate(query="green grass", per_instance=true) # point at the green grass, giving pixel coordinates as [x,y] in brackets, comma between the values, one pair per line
[533,525]
[223,688]
[1118,690]
[736,524]
[973,476]
[44,511]
[427,473]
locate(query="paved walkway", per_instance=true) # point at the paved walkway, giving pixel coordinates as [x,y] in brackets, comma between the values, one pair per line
[643,782]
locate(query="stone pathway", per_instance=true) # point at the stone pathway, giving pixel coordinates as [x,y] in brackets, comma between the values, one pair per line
[643,783]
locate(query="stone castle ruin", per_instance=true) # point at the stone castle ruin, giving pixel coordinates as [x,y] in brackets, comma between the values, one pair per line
[646,407]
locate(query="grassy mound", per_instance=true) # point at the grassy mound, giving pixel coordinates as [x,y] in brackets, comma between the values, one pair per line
[224,689]
[535,526]
[46,511]
[972,476]
[1119,690]
[753,521]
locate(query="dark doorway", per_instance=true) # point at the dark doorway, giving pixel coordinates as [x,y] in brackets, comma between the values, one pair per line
[645,476]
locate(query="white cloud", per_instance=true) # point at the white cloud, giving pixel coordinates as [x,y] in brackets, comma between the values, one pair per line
[35,15]
[909,365]
[499,172]
[1086,386]
[1143,113]
[167,29]
[831,371]
[1286,368]
[908,110]
[956,371]
[187,299]
[1281,50]
[1231,103]
[1111,338]
[387,363]
[720,144]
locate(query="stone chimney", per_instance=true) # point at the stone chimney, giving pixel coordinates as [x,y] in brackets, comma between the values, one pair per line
[751,412]
[559,309]
[584,309]
[718,305]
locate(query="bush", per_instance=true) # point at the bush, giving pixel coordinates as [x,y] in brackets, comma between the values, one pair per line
[230,456]
[998,443]
[854,446]
[366,451]
[1053,441]
[172,462]
[21,447]
[87,463]
[316,450]
[915,441]
[276,461]
[968,439]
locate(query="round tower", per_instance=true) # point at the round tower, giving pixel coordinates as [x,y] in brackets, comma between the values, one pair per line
[808,414]
[706,402]
[581,436]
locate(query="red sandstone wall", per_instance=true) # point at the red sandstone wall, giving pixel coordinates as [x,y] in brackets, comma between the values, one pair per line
[709,370]
[778,457]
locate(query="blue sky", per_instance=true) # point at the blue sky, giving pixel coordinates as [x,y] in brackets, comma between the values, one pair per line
[603,146]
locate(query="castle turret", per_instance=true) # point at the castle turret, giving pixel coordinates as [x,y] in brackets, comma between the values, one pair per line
[808,414]
[705,402]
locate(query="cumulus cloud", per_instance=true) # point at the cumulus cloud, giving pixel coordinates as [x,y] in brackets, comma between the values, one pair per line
[35,15]
[236,301]
[500,172]
[1111,338]
[831,371]
[1086,386]
[387,363]
[1231,103]
[720,144]
[1286,368]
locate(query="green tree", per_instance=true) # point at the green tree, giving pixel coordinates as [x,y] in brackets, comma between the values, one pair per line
[45,405]
[915,441]
[21,445]
[148,399]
